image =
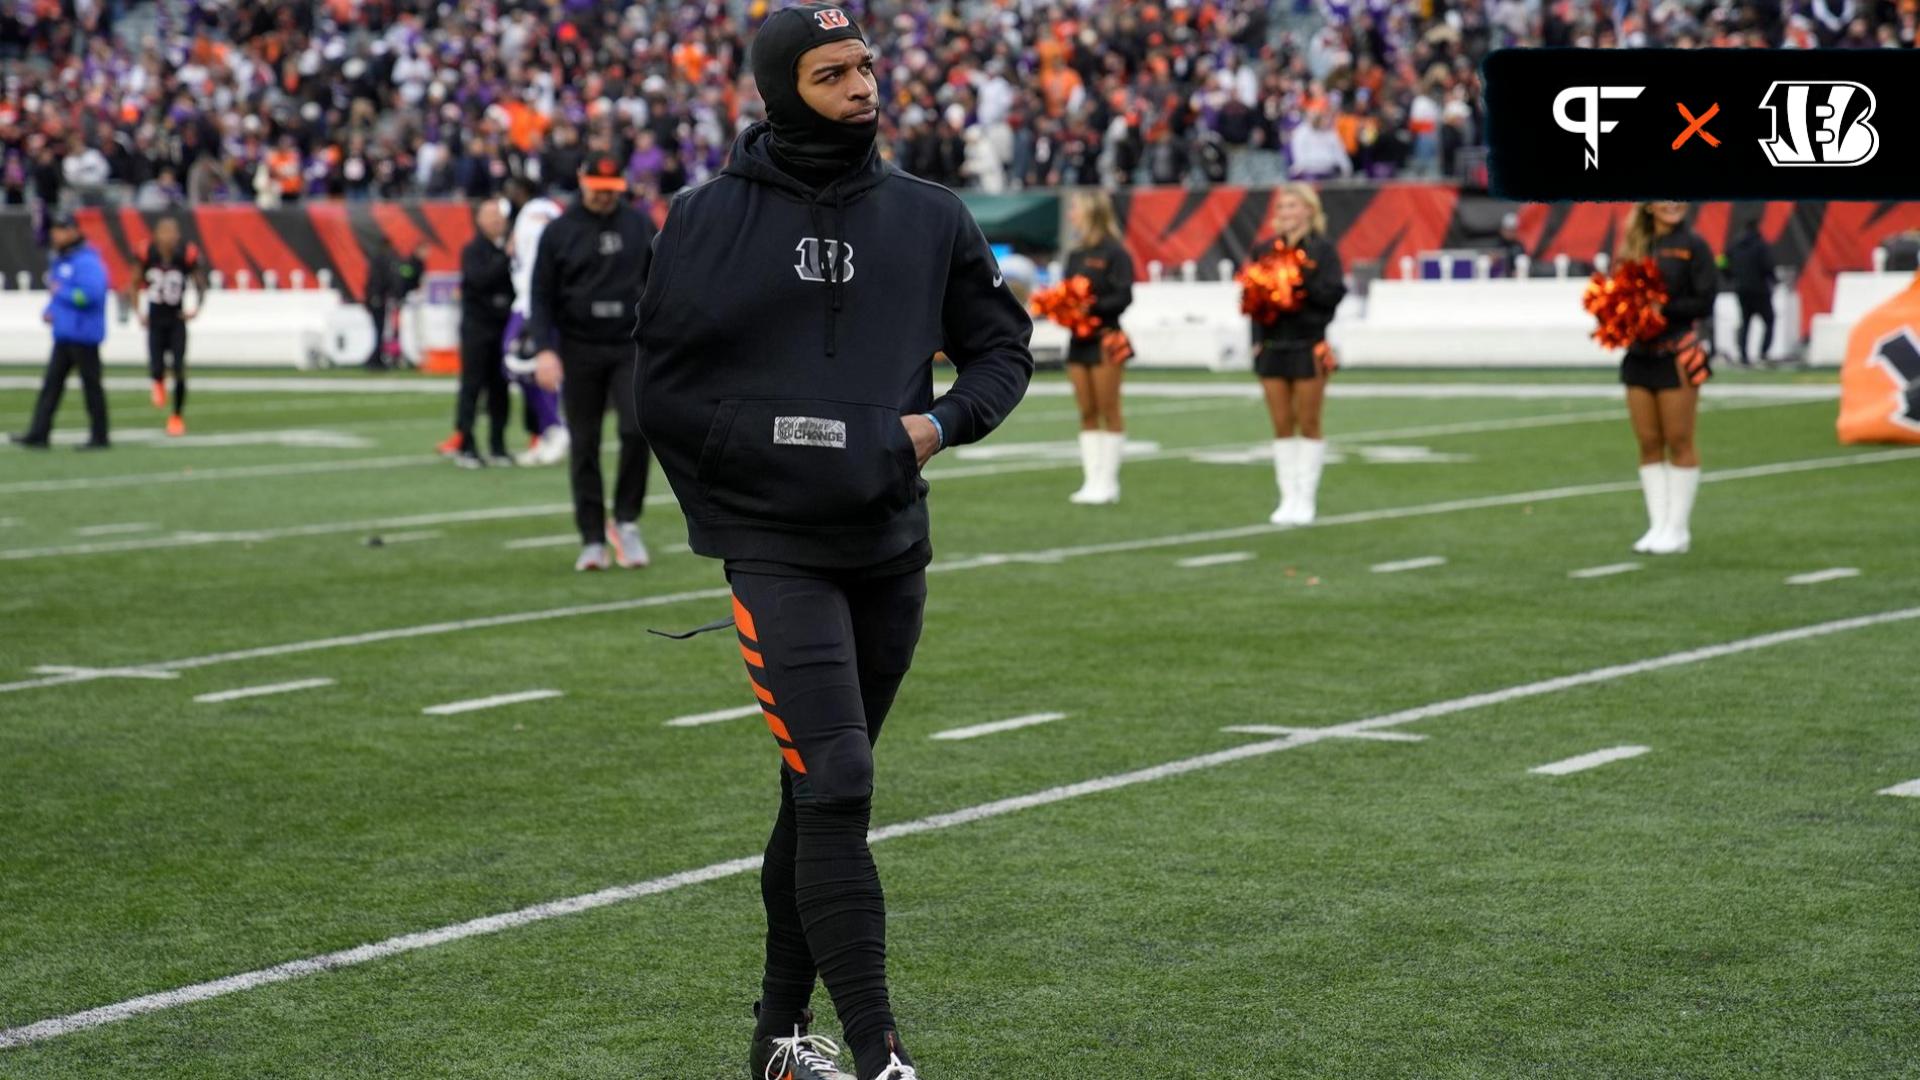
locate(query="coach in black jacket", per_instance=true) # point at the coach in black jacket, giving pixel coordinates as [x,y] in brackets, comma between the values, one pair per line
[592,263]
[486,302]
[786,342]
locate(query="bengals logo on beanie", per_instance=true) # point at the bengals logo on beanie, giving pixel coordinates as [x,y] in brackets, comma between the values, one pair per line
[831,19]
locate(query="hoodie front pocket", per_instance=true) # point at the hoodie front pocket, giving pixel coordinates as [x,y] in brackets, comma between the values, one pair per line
[808,461]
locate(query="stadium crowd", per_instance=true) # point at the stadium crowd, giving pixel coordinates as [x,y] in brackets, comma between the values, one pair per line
[276,100]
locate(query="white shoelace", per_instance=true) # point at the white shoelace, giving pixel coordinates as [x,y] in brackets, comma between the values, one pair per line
[896,1070]
[817,1052]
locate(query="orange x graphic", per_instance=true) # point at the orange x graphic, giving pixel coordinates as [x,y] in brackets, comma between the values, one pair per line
[1697,125]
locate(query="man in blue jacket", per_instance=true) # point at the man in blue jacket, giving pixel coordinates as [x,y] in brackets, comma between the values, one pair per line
[787,334]
[77,311]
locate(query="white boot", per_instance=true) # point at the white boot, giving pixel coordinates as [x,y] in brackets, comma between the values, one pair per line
[1653,483]
[1091,446]
[1113,451]
[1682,486]
[1283,469]
[1310,460]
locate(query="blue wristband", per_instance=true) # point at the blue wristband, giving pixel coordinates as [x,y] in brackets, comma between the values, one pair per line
[939,431]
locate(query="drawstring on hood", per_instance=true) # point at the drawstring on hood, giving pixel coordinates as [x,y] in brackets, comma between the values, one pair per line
[754,158]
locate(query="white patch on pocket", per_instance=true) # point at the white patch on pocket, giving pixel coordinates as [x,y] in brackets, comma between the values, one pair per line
[809,431]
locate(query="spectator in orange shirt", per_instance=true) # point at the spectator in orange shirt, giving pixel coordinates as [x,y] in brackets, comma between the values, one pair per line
[284,165]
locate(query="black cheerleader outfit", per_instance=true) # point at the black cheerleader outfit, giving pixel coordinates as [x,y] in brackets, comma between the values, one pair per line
[1289,347]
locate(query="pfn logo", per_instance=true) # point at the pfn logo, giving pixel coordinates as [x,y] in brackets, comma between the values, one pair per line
[831,19]
[1589,125]
[1825,124]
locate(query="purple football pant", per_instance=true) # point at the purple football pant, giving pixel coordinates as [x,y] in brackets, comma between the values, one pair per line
[543,406]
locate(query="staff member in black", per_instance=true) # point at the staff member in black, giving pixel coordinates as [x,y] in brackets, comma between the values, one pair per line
[390,279]
[786,344]
[592,262]
[166,269]
[486,302]
[1750,265]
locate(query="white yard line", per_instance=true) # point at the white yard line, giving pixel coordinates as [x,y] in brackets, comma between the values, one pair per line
[1260,453]
[235,472]
[410,537]
[68,670]
[454,708]
[324,528]
[1484,502]
[1910,790]
[1221,559]
[1046,556]
[1305,733]
[998,726]
[1137,387]
[263,691]
[55,1027]
[1608,570]
[714,717]
[75,675]
[1837,573]
[1589,761]
[1456,390]
[119,529]
[1422,563]
[525,543]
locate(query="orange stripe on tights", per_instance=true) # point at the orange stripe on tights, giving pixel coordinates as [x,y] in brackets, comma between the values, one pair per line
[743,620]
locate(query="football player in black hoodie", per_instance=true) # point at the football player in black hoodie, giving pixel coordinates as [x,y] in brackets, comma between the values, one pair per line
[786,336]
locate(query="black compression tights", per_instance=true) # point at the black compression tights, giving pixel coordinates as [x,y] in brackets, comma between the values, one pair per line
[826,658]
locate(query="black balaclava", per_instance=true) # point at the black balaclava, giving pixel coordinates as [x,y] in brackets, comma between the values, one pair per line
[816,149]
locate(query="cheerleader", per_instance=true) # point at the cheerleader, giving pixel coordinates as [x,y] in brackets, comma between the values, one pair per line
[1663,375]
[1291,354]
[1095,362]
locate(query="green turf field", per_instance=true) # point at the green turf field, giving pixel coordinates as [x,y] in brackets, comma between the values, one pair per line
[1737,901]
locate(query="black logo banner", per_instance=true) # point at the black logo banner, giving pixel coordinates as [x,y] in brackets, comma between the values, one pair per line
[1618,124]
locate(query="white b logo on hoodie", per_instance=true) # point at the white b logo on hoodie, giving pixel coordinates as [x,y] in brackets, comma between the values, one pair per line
[810,268]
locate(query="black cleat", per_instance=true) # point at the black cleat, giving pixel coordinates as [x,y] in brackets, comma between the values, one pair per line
[27,442]
[798,1056]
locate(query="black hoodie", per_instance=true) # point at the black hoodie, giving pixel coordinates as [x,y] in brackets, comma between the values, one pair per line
[772,387]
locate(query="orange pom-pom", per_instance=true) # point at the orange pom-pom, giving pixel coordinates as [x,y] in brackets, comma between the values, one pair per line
[1626,305]
[1070,304]
[1272,285]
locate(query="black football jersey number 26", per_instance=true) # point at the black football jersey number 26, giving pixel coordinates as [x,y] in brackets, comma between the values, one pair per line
[166,277]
